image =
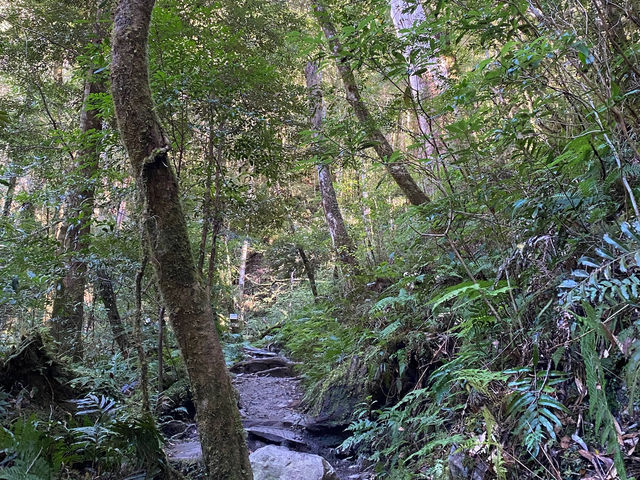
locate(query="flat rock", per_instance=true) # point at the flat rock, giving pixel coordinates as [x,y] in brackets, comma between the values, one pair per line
[274,366]
[279,435]
[185,452]
[280,463]
[258,352]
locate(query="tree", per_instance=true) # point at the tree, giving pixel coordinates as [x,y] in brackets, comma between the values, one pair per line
[342,243]
[165,230]
[68,306]
[104,286]
[379,142]
[425,75]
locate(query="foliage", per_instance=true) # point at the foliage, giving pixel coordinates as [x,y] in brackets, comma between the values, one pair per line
[533,406]
[32,453]
[484,317]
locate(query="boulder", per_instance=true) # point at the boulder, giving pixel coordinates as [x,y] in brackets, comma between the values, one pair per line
[280,463]
[332,407]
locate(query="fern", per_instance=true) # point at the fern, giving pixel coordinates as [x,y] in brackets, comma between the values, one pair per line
[610,281]
[30,454]
[404,435]
[612,278]
[468,291]
[491,424]
[533,406]
[386,303]
[599,408]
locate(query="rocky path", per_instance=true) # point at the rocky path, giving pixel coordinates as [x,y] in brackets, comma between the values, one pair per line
[270,398]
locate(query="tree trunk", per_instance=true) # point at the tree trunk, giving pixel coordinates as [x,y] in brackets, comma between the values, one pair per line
[366,215]
[8,199]
[310,274]
[381,145]
[218,219]
[224,449]
[105,289]
[342,243]
[159,351]
[216,228]
[242,276]
[206,207]
[308,268]
[425,85]
[137,335]
[68,305]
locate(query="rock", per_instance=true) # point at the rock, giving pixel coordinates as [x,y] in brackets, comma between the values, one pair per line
[273,366]
[463,466]
[278,435]
[173,427]
[258,352]
[279,463]
[332,409]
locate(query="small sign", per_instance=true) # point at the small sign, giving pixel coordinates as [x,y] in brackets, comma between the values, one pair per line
[233,316]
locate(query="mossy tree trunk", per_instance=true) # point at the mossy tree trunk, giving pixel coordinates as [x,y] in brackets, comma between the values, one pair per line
[164,225]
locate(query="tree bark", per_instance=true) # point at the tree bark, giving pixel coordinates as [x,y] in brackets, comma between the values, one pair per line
[218,218]
[381,145]
[224,449]
[206,206]
[342,243]
[68,305]
[361,182]
[105,289]
[308,267]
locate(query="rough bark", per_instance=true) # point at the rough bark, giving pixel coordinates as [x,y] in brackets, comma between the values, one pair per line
[342,243]
[68,305]
[381,145]
[109,300]
[224,449]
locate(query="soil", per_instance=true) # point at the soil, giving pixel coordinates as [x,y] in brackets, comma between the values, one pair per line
[271,413]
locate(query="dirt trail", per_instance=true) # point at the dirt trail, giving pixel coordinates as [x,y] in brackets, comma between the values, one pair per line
[270,409]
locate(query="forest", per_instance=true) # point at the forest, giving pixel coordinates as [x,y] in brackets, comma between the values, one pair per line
[319,239]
